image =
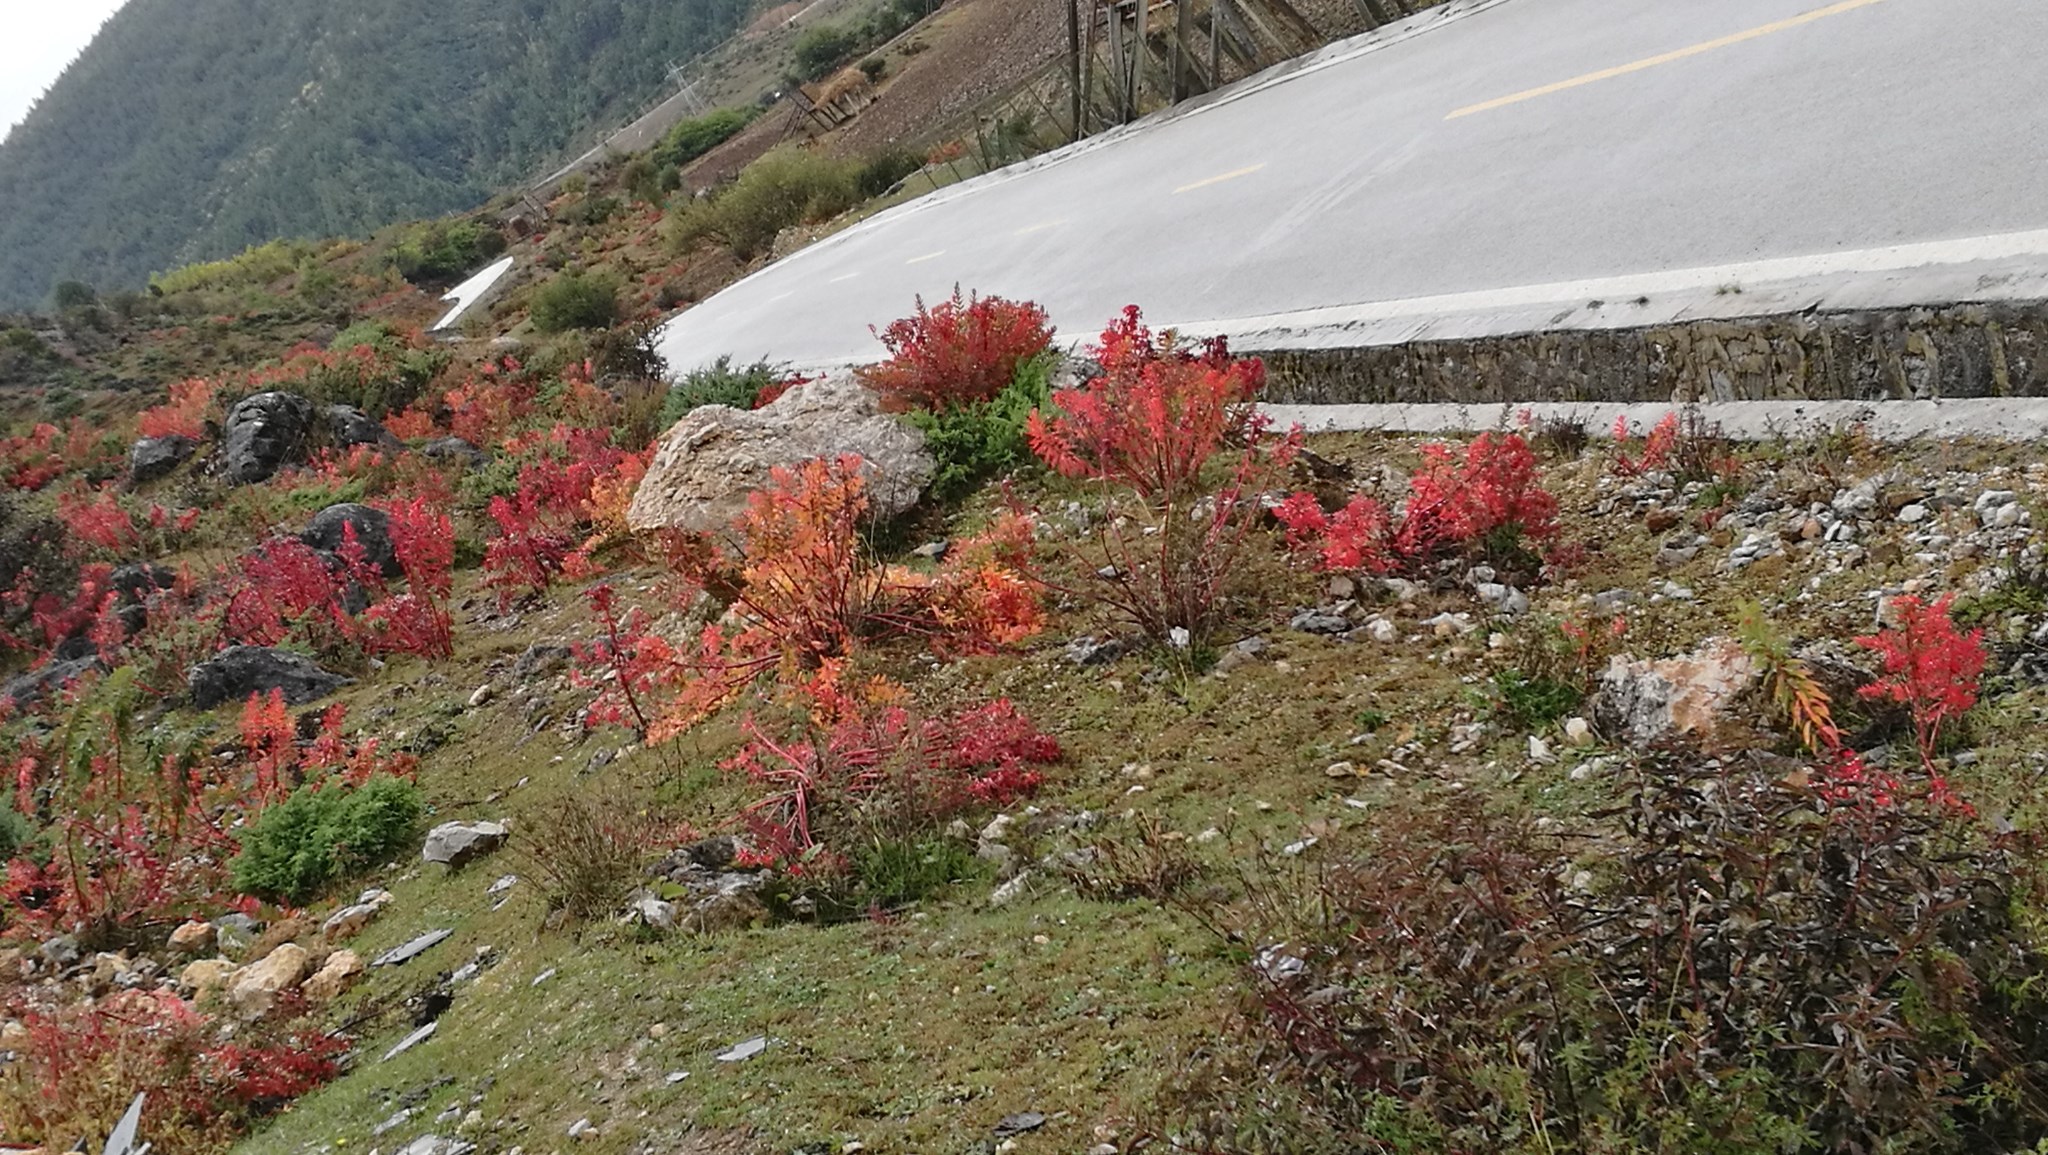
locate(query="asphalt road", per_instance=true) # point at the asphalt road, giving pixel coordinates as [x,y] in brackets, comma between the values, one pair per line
[1498,166]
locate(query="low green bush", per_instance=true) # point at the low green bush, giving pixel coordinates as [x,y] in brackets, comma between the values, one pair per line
[974,442]
[692,138]
[317,837]
[439,251]
[576,301]
[719,384]
[822,47]
[784,188]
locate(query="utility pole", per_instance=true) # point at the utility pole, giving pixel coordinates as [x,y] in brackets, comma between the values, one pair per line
[1074,63]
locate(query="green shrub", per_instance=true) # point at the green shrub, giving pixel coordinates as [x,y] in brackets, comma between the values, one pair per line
[1534,700]
[438,251]
[889,874]
[251,268]
[874,68]
[69,295]
[880,172]
[692,138]
[317,837]
[821,48]
[976,441]
[719,384]
[784,188]
[15,832]
[576,301]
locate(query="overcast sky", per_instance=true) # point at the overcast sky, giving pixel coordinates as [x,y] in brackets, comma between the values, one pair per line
[42,37]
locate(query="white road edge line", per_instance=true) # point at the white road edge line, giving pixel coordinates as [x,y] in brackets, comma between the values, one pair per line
[1742,275]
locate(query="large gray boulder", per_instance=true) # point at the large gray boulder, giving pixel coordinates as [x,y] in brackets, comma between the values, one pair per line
[457,844]
[154,457]
[707,464]
[264,433]
[329,529]
[239,671]
[32,687]
[348,426]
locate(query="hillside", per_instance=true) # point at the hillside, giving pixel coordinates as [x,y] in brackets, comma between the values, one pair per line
[191,129]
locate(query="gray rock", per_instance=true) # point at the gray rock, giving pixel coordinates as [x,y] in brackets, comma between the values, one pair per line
[1319,622]
[1643,701]
[264,433]
[61,951]
[348,426]
[1859,500]
[239,671]
[400,955]
[37,684]
[1088,650]
[330,527]
[154,457]
[539,660]
[407,1044]
[650,911]
[454,449]
[746,1049]
[457,844]
[710,462]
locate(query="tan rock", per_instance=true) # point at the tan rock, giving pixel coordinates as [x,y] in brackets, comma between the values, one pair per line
[14,1035]
[194,937]
[1642,701]
[206,976]
[257,985]
[708,464]
[335,976]
[351,919]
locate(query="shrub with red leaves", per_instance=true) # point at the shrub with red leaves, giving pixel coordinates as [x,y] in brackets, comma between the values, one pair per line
[570,502]
[876,767]
[959,352]
[1489,497]
[183,415]
[804,591]
[205,1081]
[1929,668]
[1155,416]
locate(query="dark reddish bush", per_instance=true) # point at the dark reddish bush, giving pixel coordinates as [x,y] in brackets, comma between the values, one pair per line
[958,352]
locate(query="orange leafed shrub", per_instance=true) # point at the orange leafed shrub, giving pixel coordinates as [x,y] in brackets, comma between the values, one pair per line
[183,415]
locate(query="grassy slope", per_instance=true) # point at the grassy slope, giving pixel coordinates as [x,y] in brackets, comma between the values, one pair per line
[920,1031]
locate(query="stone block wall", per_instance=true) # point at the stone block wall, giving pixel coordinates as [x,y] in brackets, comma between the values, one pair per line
[1989,350]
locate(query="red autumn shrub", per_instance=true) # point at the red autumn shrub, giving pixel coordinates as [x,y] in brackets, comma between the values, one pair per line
[184,414]
[1929,668]
[32,460]
[570,503]
[805,591]
[285,588]
[417,621]
[875,766]
[958,352]
[206,1081]
[1488,497]
[1155,416]
[1656,451]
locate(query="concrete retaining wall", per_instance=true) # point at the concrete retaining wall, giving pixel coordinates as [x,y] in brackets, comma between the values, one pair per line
[1958,351]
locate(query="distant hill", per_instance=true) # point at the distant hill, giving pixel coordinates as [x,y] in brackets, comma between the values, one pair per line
[190,129]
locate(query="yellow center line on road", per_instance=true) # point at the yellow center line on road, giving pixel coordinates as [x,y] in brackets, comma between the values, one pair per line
[926,257]
[1667,58]
[1220,178]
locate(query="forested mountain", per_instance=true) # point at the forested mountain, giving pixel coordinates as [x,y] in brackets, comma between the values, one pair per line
[192,128]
